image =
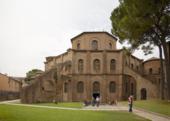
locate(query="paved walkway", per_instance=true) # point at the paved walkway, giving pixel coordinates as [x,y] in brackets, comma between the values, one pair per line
[142,113]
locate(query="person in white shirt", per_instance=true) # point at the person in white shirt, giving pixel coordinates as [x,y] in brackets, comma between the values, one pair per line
[97,101]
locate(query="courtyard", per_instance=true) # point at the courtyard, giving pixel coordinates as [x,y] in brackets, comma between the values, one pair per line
[20,113]
[15,111]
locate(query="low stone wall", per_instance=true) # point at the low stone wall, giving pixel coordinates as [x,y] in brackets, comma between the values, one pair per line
[9,95]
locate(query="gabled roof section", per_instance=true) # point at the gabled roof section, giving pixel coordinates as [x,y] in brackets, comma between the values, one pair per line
[93,33]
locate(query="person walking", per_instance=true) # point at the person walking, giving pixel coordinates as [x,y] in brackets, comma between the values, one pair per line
[130,101]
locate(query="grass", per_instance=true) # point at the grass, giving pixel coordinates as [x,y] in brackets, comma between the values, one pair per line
[63,104]
[157,106]
[21,113]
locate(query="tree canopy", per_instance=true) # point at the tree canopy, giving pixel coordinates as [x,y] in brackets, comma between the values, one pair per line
[32,73]
[146,23]
[141,21]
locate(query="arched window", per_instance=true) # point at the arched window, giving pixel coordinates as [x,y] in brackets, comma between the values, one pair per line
[80,65]
[112,65]
[80,87]
[132,66]
[137,68]
[150,70]
[126,63]
[110,46]
[96,65]
[159,80]
[94,45]
[159,70]
[65,87]
[96,87]
[112,87]
[78,46]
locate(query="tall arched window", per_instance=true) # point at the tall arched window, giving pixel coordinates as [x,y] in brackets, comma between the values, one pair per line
[110,46]
[96,65]
[112,65]
[96,87]
[159,70]
[80,87]
[94,45]
[137,68]
[78,46]
[150,70]
[112,87]
[65,87]
[80,65]
[132,65]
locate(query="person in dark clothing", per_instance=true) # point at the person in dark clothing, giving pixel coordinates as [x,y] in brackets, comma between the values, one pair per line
[130,101]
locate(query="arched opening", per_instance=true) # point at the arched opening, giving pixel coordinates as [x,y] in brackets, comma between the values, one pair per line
[96,65]
[94,45]
[132,65]
[110,46]
[150,70]
[143,94]
[65,87]
[129,87]
[78,46]
[80,65]
[96,90]
[112,65]
[112,87]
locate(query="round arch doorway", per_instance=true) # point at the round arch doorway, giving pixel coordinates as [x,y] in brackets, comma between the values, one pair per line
[96,90]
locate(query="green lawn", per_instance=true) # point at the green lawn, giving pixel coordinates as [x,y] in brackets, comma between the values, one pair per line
[22,113]
[63,104]
[158,106]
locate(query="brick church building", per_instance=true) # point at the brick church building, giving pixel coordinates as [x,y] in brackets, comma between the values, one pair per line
[94,67]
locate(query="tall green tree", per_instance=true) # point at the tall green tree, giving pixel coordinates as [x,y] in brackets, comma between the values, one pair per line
[31,74]
[142,22]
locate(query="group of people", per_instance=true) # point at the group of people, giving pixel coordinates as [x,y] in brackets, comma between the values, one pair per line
[96,102]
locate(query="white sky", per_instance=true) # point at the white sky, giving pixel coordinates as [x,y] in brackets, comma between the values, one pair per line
[31,30]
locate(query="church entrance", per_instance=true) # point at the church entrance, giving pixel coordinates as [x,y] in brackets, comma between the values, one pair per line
[96,90]
[95,95]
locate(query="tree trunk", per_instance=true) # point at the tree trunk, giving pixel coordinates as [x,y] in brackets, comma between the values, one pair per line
[162,80]
[167,66]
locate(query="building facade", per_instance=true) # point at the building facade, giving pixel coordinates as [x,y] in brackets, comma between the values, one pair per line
[9,88]
[92,68]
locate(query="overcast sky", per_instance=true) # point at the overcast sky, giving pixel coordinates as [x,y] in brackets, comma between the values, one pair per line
[31,30]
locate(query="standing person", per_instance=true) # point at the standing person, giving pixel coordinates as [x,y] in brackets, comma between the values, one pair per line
[93,101]
[130,101]
[97,101]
